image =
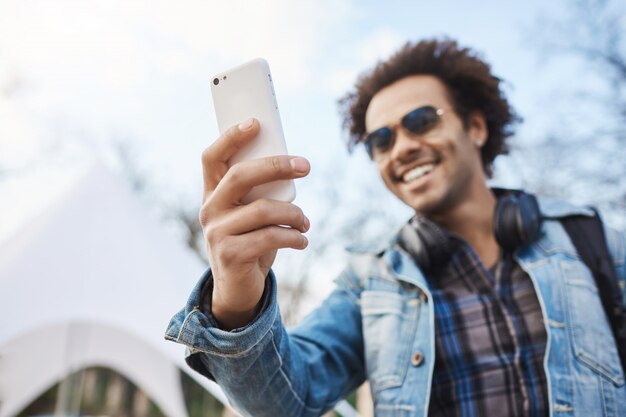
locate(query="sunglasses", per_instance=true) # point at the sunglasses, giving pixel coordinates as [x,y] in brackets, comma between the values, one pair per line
[417,122]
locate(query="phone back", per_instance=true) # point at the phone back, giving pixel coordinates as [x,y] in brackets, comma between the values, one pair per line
[241,93]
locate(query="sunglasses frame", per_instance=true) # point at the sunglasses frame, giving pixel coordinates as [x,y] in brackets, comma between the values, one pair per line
[368,137]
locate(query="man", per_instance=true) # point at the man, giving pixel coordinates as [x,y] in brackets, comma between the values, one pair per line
[450,318]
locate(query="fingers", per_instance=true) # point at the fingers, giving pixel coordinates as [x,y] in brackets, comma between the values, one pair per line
[215,158]
[243,176]
[262,213]
[240,249]
[243,220]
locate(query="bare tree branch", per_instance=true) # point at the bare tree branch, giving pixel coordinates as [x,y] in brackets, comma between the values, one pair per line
[585,157]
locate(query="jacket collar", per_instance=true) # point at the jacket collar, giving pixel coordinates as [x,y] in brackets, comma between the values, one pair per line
[552,239]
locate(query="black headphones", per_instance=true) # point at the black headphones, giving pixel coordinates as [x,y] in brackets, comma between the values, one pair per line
[517,223]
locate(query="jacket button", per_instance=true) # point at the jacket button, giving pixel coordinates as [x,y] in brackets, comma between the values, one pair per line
[417,359]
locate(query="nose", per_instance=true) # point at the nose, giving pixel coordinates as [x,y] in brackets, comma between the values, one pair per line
[405,146]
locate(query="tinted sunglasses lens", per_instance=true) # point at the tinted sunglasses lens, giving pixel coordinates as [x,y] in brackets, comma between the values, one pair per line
[420,120]
[378,140]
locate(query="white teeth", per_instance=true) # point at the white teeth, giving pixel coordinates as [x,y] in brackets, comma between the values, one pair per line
[417,172]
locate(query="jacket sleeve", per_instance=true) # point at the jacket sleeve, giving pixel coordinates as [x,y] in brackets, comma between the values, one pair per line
[265,370]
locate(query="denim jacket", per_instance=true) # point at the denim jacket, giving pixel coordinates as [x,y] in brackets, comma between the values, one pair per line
[378,324]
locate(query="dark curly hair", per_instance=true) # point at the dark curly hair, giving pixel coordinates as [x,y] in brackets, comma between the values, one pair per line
[467,77]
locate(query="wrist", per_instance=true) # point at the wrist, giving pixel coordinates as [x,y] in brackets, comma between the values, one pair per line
[236,309]
[229,319]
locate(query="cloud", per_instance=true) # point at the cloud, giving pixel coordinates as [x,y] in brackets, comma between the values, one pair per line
[14,129]
[123,39]
[289,34]
[379,45]
[371,49]
[110,64]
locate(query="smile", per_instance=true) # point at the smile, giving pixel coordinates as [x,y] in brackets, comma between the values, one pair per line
[417,172]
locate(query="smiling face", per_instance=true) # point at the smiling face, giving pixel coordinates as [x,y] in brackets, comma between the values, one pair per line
[438,170]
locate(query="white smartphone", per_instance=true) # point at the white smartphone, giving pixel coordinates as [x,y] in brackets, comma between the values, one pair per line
[248,91]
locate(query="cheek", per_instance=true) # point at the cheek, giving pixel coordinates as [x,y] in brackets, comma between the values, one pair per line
[460,149]
[383,171]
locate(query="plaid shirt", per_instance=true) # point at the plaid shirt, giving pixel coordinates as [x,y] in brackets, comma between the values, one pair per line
[490,340]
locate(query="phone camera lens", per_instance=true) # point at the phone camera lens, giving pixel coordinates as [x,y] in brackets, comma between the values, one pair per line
[216,81]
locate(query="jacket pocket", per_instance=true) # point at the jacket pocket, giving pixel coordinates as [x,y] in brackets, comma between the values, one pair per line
[389,324]
[592,339]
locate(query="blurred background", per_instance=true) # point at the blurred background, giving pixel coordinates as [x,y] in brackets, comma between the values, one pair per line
[105,109]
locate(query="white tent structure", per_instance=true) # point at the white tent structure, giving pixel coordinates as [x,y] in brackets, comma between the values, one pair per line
[93,282]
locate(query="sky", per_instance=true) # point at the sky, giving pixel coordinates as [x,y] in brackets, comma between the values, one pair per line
[81,77]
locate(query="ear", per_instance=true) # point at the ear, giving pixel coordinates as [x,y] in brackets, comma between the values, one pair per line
[477,128]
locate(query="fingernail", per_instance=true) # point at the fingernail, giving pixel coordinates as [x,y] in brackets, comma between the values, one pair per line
[246,125]
[305,242]
[299,165]
[307,224]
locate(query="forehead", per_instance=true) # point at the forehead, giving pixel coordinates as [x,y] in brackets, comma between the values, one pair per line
[394,101]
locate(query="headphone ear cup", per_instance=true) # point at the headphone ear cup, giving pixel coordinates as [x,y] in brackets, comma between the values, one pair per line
[411,241]
[436,244]
[517,221]
[426,242]
[505,223]
[530,218]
